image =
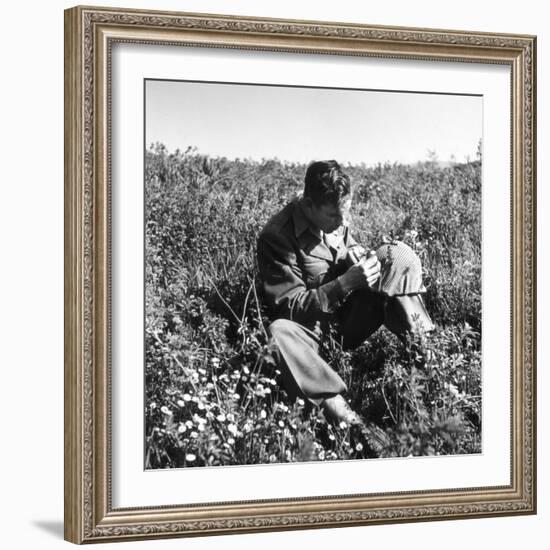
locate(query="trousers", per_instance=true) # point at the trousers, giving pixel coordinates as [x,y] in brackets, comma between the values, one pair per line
[304,372]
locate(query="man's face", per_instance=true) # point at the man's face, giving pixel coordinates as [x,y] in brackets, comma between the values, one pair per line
[328,217]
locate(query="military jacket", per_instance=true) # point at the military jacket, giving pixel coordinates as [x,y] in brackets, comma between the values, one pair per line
[300,267]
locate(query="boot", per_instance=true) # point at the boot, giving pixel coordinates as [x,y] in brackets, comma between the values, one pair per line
[407,313]
[337,410]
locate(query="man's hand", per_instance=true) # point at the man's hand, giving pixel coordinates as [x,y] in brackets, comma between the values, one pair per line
[361,275]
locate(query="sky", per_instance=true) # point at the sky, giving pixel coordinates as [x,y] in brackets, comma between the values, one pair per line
[299,124]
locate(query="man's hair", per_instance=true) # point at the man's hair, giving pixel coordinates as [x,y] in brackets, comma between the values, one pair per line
[325,182]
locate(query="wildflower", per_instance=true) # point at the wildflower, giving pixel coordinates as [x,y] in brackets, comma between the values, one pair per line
[263,414]
[186,397]
[300,402]
[181,402]
[190,457]
[267,390]
[343,425]
[215,362]
[201,406]
[246,370]
[232,429]
[359,447]
[235,397]
[231,417]
[281,424]
[321,454]
[200,427]
[204,379]
[220,417]
[153,405]
[166,410]
[182,428]
[194,435]
[189,424]
[201,371]
[331,437]
[199,419]
[453,390]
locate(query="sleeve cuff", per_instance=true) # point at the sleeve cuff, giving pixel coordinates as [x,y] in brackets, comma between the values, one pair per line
[331,296]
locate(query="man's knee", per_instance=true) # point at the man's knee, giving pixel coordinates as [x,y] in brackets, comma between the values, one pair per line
[288,334]
[398,253]
[284,332]
[401,271]
[280,326]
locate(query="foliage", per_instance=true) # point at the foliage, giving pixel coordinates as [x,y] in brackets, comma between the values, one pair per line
[212,391]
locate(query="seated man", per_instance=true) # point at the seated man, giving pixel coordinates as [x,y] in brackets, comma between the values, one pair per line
[313,272]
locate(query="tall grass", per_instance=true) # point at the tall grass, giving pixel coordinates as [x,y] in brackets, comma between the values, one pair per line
[212,390]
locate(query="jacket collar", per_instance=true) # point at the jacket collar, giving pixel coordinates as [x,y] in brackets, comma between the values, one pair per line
[301,222]
[309,237]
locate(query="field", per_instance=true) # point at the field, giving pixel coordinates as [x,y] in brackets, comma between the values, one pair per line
[212,395]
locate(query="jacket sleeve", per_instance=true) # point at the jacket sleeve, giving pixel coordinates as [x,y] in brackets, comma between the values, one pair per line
[284,285]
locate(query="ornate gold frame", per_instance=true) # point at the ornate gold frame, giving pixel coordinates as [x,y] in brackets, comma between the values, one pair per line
[89,34]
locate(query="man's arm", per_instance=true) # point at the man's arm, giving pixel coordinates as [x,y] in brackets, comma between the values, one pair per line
[284,284]
[365,267]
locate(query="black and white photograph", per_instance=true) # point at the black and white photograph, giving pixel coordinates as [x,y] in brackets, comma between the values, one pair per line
[312,274]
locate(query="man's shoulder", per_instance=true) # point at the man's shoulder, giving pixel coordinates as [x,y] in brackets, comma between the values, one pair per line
[280,224]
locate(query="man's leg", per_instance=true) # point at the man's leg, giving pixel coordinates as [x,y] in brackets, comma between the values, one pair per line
[304,372]
[361,316]
[407,313]
[401,281]
[397,303]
